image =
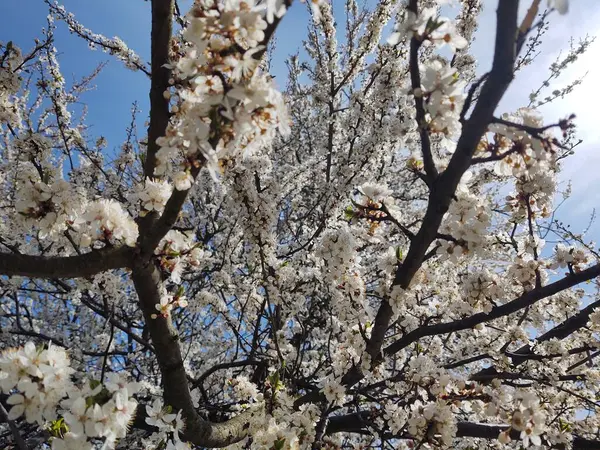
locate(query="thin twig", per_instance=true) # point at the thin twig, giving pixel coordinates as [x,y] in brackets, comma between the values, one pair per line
[19,441]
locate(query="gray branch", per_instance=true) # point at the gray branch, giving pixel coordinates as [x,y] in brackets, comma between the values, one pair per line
[85,265]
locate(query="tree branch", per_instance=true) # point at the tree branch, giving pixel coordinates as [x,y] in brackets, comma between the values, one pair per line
[155,227]
[19,441]
[560,331]
[227,365]
[84,265]
[356,423]
[525,300]
[443,188]
[415,79]
[162,28]
[147,279]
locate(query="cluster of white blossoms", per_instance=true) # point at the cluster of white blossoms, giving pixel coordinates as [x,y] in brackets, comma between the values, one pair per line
[425,372]
[274,423]
[528,418]
[54,208]
[10,82]
[106,221]
[334,391]
[444,97]
[244,389]
[427,26]
[55,85]
[275,434]
[338,250]
[435,418]
[482,288]
[529,159]
[594,322]
[218,90]
[351,348]
[42,378]
[169,426]
[569,257]
[177,251]
[46,202]
[466,223]
[38,382]
[50,207]
[395,416]
[282,427]
[534,195]
[169,301]
[524,271]
[341,269]
[153,195]
[376,192]
[100,410]
[441,88]
[374,203]
[525,154]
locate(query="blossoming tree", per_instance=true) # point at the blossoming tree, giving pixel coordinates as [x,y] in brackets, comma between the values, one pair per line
[356,261]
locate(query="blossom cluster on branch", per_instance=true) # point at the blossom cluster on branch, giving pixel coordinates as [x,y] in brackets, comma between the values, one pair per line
[40,388]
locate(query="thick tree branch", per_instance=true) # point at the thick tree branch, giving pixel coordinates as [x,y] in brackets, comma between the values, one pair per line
[162,28]
[156,230]
[85,265]
[560,331]
[147,279]
[227,365]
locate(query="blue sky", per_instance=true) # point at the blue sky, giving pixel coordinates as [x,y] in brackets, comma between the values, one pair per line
[117,87]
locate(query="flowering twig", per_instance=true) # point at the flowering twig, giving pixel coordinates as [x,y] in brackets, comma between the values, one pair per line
[18,439]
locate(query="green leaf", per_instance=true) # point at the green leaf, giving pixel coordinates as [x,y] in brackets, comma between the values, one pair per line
[274,379]
[279,443]
[564,425]
[399,254]
[432,25]
[349,213]
[89,401]
[58,428]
